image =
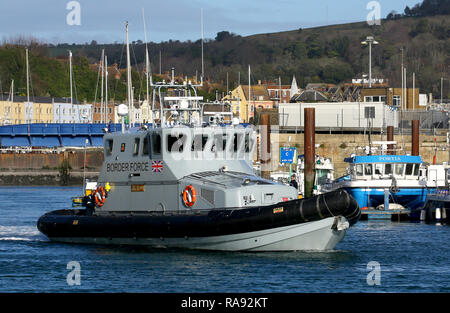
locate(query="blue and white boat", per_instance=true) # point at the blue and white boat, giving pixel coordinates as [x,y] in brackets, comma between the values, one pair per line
[390,183]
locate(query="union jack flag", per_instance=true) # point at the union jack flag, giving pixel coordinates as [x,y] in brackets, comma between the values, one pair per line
[157,166]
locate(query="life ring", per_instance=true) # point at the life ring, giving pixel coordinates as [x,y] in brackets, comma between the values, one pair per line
[100,196]
[189,196]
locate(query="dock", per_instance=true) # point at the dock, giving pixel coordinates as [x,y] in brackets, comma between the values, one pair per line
[393,215]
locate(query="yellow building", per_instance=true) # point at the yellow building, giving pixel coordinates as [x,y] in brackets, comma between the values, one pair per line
[42,113]
[12,112]
[238,98]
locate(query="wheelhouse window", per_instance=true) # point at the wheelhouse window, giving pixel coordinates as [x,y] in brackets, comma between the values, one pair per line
[156,143]
[416,169]
[145,147]
[409,169]
[136,146]
[199,142]
[109,147]
[388,169]
[399,169]
[359,170]
[219,143]
[175,143]
[378,169]
[368,169]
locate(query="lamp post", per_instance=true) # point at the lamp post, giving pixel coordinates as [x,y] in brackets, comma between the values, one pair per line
[370,41]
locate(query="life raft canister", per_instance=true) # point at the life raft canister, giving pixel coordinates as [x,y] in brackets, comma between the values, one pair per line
[189,196]
[100,196]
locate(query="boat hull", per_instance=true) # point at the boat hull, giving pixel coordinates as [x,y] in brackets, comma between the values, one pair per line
[410,198]
[314,236]
[316,223]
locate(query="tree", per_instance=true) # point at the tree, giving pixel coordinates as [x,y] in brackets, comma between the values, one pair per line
[224,35]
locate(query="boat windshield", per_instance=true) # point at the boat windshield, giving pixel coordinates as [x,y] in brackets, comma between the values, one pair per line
[386,170]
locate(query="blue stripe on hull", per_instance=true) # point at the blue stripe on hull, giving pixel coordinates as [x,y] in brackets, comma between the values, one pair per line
[410,198]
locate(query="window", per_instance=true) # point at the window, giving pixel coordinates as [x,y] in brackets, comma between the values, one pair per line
[388,169]
[416,170]
[136,146]
[409,169]
[108,147]
[368,99]
[219,143]
[368,169]
[156,143]
[199,142]
[399,169]
[396,100]
[145,147]
[359,170]
[369,112]
[378,169]
[175,143]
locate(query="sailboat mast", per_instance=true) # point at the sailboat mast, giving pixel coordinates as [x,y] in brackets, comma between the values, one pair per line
[249,95]
[106,89]
[28,77]
[102,66]
[70,77]
[129,80]
[147,68]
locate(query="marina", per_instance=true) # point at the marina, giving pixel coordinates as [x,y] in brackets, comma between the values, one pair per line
[207,160]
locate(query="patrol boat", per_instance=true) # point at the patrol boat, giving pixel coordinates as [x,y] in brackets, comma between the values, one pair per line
[184,184]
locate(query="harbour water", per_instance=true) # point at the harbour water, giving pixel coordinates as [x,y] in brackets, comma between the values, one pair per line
[413,257]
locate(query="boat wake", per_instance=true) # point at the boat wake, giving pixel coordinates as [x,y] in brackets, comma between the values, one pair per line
[20,233]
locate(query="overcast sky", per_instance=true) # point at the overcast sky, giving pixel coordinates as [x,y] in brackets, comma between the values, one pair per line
[104,20]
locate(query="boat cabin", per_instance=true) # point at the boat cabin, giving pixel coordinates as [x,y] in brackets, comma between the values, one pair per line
[401,167]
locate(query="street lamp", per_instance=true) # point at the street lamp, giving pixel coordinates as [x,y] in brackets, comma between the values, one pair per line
[370,41]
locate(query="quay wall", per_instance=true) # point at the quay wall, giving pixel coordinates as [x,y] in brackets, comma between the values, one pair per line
[37,168]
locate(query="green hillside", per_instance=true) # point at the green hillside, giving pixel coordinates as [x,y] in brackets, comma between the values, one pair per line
[331,54]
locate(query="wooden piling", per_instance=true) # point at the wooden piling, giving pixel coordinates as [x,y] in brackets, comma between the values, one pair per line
[310,146]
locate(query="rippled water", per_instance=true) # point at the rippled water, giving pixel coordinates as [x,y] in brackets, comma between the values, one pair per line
[413,257]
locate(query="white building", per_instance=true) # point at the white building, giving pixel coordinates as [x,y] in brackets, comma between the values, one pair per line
[72,113]
[340,114]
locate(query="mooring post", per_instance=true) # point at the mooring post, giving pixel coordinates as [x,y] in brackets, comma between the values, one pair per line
[265,146]
[310,146]
[390,137]
[415,138]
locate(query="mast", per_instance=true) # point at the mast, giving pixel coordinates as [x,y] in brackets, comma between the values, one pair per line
[28,77]
[102,66]
[70,75]
[203,66]
[106,89]
[147,68]
[249,95]
[130,113]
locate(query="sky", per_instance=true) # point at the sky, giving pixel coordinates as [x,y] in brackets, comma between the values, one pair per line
[104,20]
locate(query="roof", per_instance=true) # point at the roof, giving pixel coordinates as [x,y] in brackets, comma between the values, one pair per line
[256,91]
[39,99]
[310,95]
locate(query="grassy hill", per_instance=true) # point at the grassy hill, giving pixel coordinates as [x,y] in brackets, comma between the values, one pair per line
[331,54]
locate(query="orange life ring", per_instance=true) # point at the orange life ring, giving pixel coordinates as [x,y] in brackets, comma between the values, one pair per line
[189,196]
[100,196]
